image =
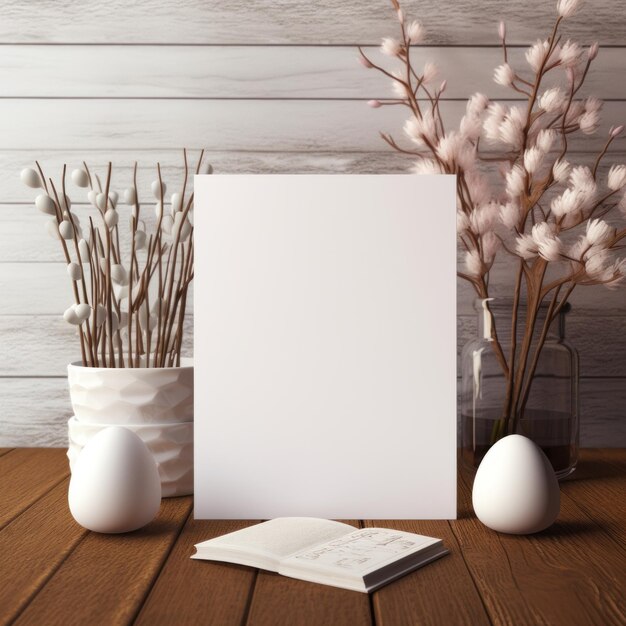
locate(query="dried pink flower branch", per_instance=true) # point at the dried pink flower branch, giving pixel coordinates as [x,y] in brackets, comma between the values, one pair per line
[541,201]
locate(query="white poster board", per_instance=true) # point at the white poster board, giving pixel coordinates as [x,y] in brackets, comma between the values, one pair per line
[325,347]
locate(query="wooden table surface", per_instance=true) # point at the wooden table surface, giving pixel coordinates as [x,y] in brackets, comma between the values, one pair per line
[52,571]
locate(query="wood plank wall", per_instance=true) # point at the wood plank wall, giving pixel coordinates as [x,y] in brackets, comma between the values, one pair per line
[266,86]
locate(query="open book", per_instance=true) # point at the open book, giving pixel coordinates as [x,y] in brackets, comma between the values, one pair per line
[324,551]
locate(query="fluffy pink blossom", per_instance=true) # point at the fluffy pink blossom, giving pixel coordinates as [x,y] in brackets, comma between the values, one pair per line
[545,139]
[589,122]
[427,166]
[490,245]
[510,214]
[462,222]
[421,129]
[526,246]
[429,73]
[414,32]
[391,47]
[533,158]
[511,129]
[593,104]
[560,170]
[515,181]
[552,100]
[567,8]
[598,232]
[495,116]
[474,264]
[504,75]
[476,104]
[570,53]
[484,218]
[617,177]
[536,54]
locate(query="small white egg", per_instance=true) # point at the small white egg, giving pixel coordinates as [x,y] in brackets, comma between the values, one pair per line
[157,188]
[45,204]
[92,196]
[166,224]
[70,316]
[140,240]
[83,311]
[80,178]
[30,178]
[115,485]
[113,197]
[101,201]
[130,196]
[85,252]
[66,230]
[177,203]
[119,274]
[111,218]
[158,209]
[515,489]
[73,271]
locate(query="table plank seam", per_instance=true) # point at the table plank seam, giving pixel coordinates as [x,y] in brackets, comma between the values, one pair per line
[470,573]
[166,556]
[246,614]
[27,507]
[41,587]
[607,533]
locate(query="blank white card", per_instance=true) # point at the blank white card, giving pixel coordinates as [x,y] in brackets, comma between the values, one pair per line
[325,347]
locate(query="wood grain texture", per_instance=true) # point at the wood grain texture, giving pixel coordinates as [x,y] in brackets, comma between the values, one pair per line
[106,578]
[508,568]
[41,539]
[597,488]
[317,604]
[194,592]
[424,596]
[25,476]
[43,345]
[262,72]
[286,125]
[572,573]
[44,289]
[44,423]
[293,21]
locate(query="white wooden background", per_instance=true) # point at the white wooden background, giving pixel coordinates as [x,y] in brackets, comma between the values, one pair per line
[267,86]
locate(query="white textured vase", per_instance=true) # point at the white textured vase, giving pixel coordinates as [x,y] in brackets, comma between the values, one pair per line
[141,395]
[154,403]
[171,446]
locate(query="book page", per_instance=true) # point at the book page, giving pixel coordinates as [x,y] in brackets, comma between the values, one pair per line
[358,553]
[278,538]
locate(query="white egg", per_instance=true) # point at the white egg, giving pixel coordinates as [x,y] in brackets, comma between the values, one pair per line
[80,178]
[177,203]
[30,178]
[115,485]
[113,197]
[119,274]
[66,229]
[140,239]
[167,224]
[70,316]
[73,271]
[83,311]
[157,187]
[85,253]
[45,204]
[92,196]
[130,196]
[111,218]
[101,201]
[515,490]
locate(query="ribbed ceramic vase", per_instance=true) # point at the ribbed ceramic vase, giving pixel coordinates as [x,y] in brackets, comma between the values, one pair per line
[155,403]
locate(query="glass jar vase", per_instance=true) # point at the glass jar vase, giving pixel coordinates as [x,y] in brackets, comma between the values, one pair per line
[541,405]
